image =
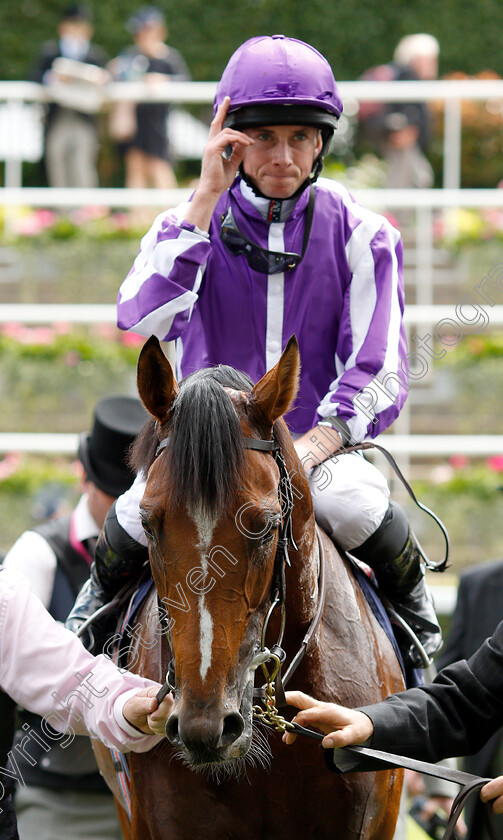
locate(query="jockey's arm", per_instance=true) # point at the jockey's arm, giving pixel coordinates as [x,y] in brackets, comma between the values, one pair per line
[318,444]
[118,555]
[121,550]
[218,169]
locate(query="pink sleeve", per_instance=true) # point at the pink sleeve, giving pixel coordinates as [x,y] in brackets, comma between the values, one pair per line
[46,670]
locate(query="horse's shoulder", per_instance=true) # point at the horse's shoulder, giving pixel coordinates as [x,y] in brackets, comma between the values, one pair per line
[148,640]
[105,763]
[337,563]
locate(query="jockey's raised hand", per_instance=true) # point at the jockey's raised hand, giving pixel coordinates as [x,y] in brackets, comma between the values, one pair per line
[222,156]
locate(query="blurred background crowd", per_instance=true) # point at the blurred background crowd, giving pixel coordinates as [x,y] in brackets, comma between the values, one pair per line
[93,44]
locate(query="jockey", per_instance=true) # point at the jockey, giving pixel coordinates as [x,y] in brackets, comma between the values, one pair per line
[264,249]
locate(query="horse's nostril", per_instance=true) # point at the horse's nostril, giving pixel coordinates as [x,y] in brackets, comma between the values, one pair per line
[233,726]
[172,733]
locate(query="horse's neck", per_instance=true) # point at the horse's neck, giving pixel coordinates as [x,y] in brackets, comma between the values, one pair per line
[302,577]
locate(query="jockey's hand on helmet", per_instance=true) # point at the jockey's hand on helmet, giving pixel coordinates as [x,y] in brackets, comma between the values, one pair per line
[144,713]
[218,169]
[342,726]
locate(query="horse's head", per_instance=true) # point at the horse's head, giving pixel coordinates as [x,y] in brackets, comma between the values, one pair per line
[212,512]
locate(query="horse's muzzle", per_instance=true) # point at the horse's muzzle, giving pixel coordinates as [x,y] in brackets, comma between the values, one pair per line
[206,735]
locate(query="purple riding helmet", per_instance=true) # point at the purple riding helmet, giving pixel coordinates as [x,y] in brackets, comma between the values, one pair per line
[275,80]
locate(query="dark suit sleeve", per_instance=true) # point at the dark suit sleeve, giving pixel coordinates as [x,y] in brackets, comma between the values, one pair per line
[456,645]
[454,715]
[48,53]
[178,68]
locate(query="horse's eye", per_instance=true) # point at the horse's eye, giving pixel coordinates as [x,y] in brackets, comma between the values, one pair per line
[270,533]
[147,528]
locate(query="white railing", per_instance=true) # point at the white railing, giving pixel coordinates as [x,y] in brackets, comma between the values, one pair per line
[450,92]
[411,445]
[121,197]
[89,313]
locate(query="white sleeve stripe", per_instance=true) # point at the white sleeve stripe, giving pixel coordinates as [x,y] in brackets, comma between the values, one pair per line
[275,300]
[160,321]
[361,304]
[166,255]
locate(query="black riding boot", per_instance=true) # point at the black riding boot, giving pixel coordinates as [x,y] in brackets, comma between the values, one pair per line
[398,564]
[119,560]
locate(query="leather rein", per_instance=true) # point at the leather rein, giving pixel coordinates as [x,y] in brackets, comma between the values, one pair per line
[273,691]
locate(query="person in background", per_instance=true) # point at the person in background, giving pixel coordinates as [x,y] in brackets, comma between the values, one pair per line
[46,669]
[476,615]
[454,715]
[71,135]
[143,130]
[401,131]
[56,557]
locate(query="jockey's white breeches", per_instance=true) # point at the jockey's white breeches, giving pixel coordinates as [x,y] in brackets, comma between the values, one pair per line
[350,498]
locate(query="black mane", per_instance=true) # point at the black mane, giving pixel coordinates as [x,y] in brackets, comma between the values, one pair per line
[205,451]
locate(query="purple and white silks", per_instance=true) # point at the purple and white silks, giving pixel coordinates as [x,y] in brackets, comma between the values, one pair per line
[344,301]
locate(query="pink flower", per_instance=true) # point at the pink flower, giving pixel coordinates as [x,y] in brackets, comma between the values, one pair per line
[132,339]
[28,226]
[45,217]
[87,214]
[12,330]
[10,464]
[62,327]
[459,461]
[120,221]
[72,358]
[495,463]
[108,332]
[36,335]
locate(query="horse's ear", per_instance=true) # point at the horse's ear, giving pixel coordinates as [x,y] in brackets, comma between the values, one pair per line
[273,395]
[155,379]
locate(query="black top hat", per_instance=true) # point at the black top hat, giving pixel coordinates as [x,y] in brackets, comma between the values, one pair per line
[77,11]
[104,452]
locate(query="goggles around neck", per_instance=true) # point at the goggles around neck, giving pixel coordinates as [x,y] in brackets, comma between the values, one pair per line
[258,258]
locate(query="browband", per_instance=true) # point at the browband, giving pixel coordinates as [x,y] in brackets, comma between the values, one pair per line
[249,443]
[262,445]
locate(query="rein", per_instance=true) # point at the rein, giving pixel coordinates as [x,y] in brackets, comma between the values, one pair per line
[366,445]
[470,784]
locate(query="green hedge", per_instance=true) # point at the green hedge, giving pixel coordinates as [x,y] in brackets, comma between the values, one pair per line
[353,36]
[53,386]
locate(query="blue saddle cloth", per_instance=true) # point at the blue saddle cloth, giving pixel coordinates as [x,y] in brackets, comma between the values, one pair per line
[412,676]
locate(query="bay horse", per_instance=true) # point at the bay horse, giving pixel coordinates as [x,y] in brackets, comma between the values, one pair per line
[213,513]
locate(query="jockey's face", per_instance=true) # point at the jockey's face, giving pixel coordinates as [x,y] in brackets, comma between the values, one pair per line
[281,157]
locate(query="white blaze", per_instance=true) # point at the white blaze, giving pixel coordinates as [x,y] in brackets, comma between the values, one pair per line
[205,639]
[205,526]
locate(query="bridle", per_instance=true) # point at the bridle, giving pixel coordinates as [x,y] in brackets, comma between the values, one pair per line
[271,660]
[275,680]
